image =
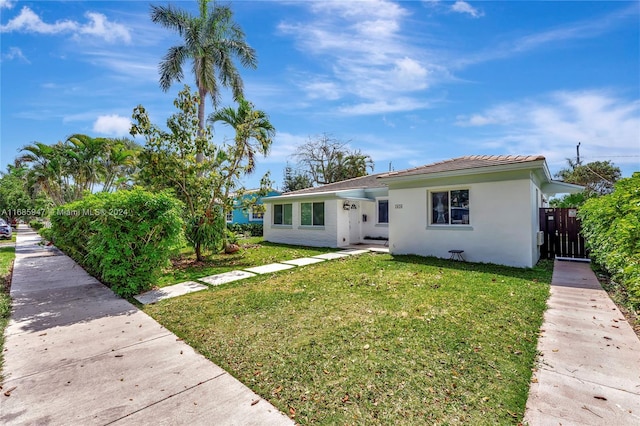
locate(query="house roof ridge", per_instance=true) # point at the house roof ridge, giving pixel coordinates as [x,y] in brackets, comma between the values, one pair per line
[466,162]
[346,183]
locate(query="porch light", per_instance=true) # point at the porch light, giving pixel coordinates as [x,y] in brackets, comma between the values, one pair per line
[346,206]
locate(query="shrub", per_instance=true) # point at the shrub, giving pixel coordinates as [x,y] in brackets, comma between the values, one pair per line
[611,227]
[36,225]
[122,238]
[253,229]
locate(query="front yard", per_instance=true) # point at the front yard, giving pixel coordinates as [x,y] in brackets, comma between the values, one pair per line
[254,252]
[375,339]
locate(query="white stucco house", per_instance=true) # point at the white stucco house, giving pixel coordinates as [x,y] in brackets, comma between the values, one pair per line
[485,205]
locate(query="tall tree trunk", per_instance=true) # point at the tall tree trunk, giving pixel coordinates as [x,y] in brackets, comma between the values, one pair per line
[201,122]
[199,252]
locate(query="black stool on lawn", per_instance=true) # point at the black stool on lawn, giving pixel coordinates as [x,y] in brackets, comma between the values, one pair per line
[456,255]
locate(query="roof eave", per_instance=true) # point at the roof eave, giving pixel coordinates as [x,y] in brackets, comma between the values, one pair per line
[554,187]
[342,194]
[528,165]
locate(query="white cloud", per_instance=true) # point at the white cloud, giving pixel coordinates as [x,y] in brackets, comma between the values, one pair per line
[98,26]
[383,106]
[501,114]
[15,53]
[6,4]
[113,125]
[550,38]
[410,74]
[140,67]
[371,60]
[28,21]
[607,126]
[464,7]
[322,90]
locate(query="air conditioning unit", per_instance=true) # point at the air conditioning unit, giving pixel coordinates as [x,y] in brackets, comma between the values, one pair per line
[540,236]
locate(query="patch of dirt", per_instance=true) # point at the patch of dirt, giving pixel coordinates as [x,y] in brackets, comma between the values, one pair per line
[185,262]
[5,286]
[250,246]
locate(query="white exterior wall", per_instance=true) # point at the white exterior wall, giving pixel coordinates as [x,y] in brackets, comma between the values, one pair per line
[500,229]
[296,234]
[371,228]
[536,204]
[342,225]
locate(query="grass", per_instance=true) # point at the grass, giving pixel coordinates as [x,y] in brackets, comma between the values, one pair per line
[7,254]
[375,339]
[254,252]
[10,240]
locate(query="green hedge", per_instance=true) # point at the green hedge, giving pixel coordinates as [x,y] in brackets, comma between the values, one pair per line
[122,238]
[254,229]
[36,225]
[611,227]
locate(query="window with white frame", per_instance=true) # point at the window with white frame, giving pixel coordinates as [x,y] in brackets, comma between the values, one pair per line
[282,214]
[450,207]
[312,214]
[383,211]
[256,215]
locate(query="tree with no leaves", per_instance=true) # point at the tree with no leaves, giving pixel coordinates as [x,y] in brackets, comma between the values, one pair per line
[327,160]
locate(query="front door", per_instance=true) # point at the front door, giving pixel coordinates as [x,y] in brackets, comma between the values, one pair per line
[354,223]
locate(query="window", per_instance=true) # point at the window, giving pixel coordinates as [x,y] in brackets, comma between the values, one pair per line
[312,214]
[257,215]
[230,216]
[282,214]
[450,207]
[383,211]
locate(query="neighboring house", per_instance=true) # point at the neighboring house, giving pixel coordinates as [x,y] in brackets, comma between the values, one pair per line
[484,205]
[240,215]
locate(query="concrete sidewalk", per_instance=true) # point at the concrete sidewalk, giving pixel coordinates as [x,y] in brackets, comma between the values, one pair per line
[77,354]
[589,368]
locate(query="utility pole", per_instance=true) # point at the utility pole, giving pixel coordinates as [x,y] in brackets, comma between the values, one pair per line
[578,154]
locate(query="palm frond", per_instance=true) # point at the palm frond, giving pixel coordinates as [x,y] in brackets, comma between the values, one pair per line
[171,66]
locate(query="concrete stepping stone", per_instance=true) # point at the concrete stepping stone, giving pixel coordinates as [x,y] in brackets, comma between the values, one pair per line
[303,261]
[226,277]
[379,249]
[353,252]
[169,292]
[272,267]
[330,256]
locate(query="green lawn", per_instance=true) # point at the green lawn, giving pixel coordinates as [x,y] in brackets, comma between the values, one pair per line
[375,339]
[7,254]
[254,252]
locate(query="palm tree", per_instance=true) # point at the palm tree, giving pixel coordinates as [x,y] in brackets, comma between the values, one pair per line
[119,163]
[48,170]
[211,41]
[85,156]
[254,135]
[254,132]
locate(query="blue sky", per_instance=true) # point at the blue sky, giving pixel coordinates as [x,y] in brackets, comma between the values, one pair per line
[408,83]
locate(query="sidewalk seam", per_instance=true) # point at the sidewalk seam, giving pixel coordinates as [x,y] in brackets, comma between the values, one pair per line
[591,382]
[164,399]
[59,366]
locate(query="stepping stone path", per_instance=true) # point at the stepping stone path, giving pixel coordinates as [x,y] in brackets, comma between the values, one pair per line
[154,296]
[169,292]
[330,256]
[226,277]
[272,267]
[304,261]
